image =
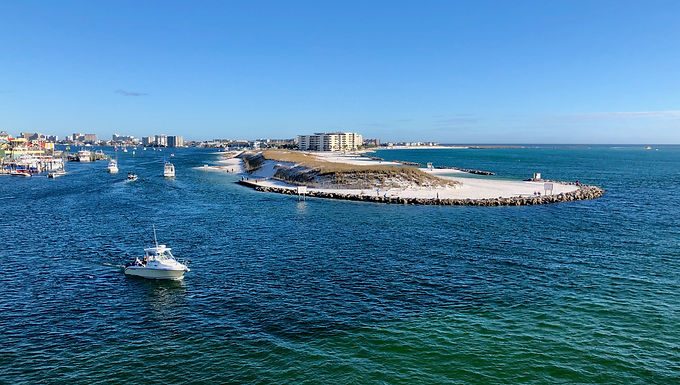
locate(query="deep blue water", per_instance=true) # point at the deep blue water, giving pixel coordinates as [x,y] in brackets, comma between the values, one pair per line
[328,291]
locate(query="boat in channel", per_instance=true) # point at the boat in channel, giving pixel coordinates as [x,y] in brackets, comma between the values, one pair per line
[169,170]
[157,263]
[19,173]
[131,177]
[84,156]
[56,174]
[112,168]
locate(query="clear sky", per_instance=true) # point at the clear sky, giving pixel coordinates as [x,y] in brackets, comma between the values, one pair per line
[450,71]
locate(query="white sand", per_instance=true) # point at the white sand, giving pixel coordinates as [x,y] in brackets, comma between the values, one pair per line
[470,188]
[228,165]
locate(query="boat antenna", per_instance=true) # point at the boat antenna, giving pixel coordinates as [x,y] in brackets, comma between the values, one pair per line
[154,235]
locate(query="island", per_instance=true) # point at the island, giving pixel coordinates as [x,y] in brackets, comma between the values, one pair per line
[354,176]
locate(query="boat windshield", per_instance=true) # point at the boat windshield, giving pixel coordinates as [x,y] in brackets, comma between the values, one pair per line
[160,255]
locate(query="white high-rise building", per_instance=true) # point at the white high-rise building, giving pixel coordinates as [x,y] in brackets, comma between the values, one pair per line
[175,141]
[330,141]
[161,140]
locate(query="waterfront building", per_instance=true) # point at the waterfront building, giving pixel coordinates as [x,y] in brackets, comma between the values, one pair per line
[148,141]
[371,142]
[175,141]
[330,141]
[90,138]
[161,140]
[23,147]
[124,138]
[32,136]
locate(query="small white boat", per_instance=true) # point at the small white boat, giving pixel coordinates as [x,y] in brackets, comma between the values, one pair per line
[56,174]
[124,149]
[131,176]
[84,156]
[112,168]
[169,170]
[158,263]
[19,173]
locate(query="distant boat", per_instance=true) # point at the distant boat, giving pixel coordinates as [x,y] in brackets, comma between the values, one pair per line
[648,148]
[169,170]
[158,263]
[124,149]
[84,156]
[56,174]
[112,168]
[19,173]
[131,177]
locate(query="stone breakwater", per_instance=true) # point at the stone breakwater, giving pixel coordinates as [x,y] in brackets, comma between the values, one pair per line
[584,192]
[468,170]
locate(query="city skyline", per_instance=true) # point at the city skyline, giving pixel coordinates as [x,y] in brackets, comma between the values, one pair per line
[488,72]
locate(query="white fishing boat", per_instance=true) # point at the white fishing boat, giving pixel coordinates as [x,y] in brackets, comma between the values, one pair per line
[84,156]
[56,174]
[112,168]
[169,170]
[19,173]
[157,263]
[131,177]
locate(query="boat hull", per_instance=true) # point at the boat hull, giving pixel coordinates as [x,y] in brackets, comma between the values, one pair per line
[148,273]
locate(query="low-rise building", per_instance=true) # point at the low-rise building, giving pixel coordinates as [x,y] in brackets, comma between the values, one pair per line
[90,138]
[371,142]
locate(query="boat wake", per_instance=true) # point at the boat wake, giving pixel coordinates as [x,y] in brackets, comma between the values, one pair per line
[117,266]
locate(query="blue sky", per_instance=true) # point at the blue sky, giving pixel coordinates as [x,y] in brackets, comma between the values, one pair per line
[455,72]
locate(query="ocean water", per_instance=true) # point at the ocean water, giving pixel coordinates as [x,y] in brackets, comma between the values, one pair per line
[326,291]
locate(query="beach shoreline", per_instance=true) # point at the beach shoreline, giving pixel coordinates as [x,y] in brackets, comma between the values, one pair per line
[461,190]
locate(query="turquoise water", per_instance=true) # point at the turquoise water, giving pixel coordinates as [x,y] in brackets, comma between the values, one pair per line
[328,291]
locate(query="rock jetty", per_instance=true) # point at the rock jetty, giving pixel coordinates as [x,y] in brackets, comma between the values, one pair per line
[582,193]
[467,170]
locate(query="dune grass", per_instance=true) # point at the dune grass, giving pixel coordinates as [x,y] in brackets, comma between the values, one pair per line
[309,169]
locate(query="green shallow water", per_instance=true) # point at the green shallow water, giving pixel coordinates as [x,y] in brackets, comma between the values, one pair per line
[328,291]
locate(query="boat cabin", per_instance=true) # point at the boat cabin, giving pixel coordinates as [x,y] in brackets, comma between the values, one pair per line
[158,253]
